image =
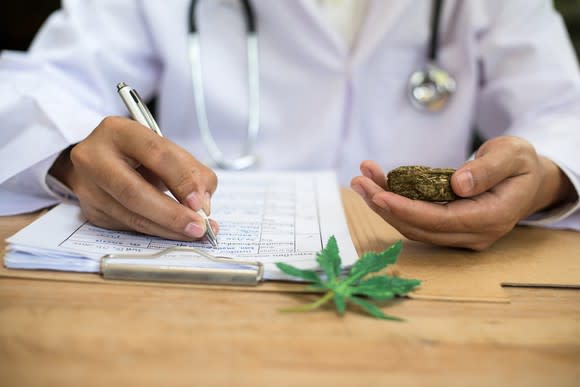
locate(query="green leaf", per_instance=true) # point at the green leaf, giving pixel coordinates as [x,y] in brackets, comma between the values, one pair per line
[313,305]
[384,287]
[373,310]
[308,275]
[345,290]
[339,301]
[373,262]
[329,260]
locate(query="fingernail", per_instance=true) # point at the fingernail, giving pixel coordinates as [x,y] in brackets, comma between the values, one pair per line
[193,201]
[359,190]
[194,230]
[465,182]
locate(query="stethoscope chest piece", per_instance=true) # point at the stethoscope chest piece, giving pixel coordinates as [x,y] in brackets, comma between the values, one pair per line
[431,88]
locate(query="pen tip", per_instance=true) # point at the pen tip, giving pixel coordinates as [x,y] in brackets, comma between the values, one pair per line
[120,85]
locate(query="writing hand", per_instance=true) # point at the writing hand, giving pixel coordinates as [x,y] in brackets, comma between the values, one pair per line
[114,194]
[506,182]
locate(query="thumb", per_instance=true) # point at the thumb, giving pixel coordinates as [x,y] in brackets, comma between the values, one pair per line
[492,165]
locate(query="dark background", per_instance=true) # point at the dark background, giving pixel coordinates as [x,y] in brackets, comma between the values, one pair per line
[19,20]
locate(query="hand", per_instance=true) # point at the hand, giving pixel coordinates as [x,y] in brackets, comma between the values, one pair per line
[506,182]
[114,194]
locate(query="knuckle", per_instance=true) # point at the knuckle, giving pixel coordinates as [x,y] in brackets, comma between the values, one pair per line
[521,150]
[519,143]
[198,176]
[500,229]
[440,225]
[489,144]
[380,211]
[109,122]
[505,228]
[138,223]
[128,193]
[79,155]
[95,216]
[157,150]
[183,184]
[410,233]
[177,222]
[213,180]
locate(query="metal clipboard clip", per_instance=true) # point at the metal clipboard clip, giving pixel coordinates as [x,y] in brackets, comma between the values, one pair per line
[231,272]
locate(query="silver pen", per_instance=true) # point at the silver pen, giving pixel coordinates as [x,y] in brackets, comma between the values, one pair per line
[141,114]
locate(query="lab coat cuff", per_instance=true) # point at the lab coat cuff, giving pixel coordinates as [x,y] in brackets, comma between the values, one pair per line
[48,184]
[59,190]
[557,214]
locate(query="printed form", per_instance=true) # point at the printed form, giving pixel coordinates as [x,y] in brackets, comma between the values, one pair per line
[266,217]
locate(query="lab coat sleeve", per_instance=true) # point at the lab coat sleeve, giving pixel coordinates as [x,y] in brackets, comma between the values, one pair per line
[55,94]
[531,89]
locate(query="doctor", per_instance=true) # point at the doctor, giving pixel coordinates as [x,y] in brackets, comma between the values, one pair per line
[297,84]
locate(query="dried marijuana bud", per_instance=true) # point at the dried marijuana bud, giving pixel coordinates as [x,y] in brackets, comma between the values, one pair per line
[422,183]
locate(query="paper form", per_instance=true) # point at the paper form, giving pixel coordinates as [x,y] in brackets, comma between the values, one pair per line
[268,217]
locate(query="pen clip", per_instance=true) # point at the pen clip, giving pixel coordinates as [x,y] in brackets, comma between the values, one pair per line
[151,123]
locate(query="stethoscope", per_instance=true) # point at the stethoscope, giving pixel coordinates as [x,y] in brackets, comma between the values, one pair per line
[429,89]
[248,157]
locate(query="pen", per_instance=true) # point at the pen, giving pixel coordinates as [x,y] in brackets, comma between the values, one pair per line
[141,114]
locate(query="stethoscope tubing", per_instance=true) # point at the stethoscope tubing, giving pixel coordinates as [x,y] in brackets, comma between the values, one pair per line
[248,157]
[429,89]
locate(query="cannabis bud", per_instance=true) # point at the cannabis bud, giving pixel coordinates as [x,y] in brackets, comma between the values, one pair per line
[422,183]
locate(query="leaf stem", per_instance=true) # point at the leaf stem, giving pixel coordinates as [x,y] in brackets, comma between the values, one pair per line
[314,305]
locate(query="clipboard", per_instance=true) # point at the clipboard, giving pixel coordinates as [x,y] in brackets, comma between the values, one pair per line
[230,271]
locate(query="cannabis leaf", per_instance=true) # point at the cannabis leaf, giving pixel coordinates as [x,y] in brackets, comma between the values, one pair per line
[355,285]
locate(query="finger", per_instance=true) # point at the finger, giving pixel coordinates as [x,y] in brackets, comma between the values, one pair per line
[104,211]
[462,239]
[470,240]
[373,171]
[496,161]
[191,182]
[467,216]
[365,187]
[477,214]
[114,176]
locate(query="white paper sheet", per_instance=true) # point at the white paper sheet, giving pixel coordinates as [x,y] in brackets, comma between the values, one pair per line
[268,217]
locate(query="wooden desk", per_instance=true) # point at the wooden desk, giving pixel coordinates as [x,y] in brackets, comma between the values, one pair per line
[54,333]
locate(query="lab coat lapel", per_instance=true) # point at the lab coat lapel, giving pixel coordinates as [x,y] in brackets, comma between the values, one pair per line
[381,17]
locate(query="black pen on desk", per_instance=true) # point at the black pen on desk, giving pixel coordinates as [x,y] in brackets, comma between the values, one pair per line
[141,114]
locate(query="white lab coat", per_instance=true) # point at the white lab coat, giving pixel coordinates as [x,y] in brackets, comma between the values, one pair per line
[323,105]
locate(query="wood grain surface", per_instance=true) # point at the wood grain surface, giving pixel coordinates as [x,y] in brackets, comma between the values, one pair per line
[70,334]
